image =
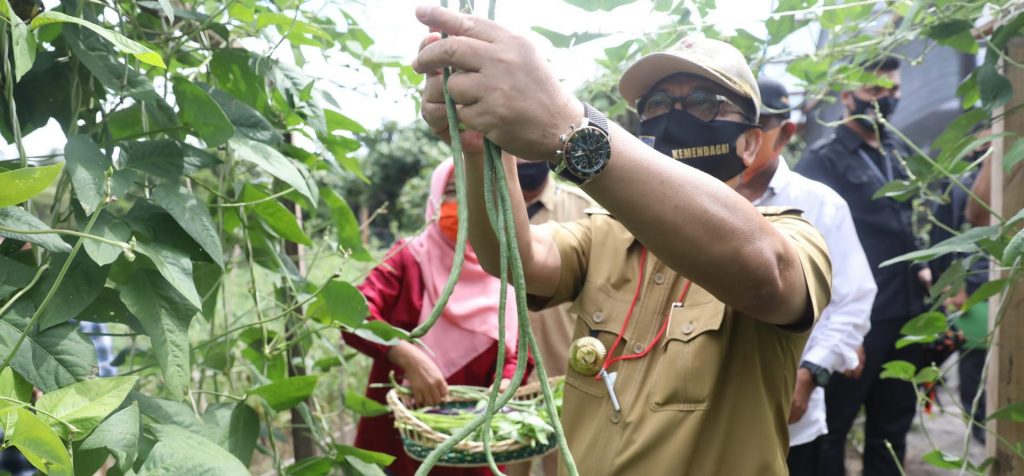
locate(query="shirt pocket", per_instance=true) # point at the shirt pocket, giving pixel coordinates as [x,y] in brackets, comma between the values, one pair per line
[687,372]
[599,316]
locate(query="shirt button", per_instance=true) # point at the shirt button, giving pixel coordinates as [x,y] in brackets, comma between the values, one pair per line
[659,278]
[598,316]
[638,348]
[688,328]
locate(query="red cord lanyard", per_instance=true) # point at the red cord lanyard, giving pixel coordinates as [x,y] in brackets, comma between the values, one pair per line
[608,359]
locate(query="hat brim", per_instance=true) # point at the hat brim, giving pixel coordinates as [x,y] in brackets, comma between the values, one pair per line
[649,70]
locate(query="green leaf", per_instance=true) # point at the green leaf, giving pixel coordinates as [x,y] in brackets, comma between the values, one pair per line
[243,431]
[362,406]
[19,219]
[112,229]
[382,333]
[242,75]
[312,466]
[179,451]
[142,119]
[339,302]
[898,369]
[956,34]
[198,110]
[966,242]
[119,41]
[84,404]
[595,5]
[275,215]
[1011,412]
[165,158]
[40,445]
[51,359]
[98,58]
[119,434]
[168,9]
[968,91]
[985,291]
[337,121]
[1013,250]
[940,459]
[109,308]
[24,46]
[167,412]
[911,340]
[929,323]
[13,276]
[560,40]
[247,121]
[995,89]
[176,268]
[193,217]
[13,387]
[1013,156]
[355,465]
[287,393]
[166,319]
[272,162]
[87,166]
[368,456]
[899,190]
[958,130]
[349,237]
[82,283]
[927,375]
[19,185]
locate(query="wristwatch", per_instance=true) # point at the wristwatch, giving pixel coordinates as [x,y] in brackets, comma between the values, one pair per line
[586,149]
[819,373]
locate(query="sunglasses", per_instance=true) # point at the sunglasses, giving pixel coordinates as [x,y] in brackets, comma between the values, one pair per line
[702,104]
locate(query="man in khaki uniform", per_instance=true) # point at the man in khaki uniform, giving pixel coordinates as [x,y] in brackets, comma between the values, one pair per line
[549,201]
[702,302]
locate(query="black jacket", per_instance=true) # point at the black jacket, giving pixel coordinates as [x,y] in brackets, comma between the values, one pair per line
[884,225]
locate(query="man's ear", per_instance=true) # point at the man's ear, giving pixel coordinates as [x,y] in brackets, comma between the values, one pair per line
[846,97]
[748,144]
[786,132]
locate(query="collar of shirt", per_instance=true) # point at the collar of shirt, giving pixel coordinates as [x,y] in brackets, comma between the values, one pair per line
[777,184]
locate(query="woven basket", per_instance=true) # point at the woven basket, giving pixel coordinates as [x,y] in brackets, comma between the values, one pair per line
[419,440]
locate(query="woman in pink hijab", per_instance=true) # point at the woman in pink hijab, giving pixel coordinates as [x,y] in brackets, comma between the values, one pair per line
[463,345]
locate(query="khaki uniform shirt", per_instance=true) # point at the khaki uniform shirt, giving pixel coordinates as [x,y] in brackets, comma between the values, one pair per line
[713,396]
[553,327]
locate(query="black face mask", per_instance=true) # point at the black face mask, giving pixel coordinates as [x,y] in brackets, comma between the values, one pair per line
[886,106]
[532,175]
[706,146]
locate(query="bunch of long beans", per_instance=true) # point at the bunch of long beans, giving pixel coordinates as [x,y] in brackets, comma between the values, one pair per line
[499,212]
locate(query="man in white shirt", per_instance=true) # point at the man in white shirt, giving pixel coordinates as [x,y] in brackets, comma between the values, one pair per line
[835,342]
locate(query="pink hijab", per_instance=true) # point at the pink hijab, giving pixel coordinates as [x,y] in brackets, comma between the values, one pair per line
[469,324]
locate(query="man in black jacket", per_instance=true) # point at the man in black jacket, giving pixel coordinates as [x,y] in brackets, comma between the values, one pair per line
[858,160]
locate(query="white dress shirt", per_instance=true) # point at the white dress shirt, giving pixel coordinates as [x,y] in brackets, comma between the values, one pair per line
[840,330]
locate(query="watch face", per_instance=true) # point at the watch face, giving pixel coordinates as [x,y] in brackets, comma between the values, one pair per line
[588,152]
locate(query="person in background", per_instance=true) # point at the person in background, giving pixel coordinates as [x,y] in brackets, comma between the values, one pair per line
[463,345]
[835,343]
[858,160]
[548,200]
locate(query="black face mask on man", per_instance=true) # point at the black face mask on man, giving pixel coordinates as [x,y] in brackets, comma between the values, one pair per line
[706,146]
[886,106]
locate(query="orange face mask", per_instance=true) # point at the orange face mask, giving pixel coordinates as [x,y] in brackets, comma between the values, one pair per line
[448,220]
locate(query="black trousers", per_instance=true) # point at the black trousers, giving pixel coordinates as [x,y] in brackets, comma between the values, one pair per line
[805,459]
[972,361]
[889,405]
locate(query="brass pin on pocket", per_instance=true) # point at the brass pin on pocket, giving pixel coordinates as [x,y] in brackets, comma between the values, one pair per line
[586,355]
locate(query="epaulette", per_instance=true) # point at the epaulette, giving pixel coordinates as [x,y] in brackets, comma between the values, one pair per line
[776,211]
[576,192]
[596,211]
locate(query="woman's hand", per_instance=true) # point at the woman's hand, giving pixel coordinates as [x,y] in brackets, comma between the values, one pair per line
[426,381]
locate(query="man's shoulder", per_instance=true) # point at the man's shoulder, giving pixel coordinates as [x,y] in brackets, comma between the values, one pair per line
[574,194]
